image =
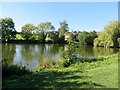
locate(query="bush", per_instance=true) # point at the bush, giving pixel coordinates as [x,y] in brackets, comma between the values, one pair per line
[10,70]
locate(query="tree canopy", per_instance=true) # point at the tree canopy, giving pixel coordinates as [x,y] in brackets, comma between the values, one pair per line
[42,30]
[63,28]
[7,27]
[86,38]
[110,35]
[27,31]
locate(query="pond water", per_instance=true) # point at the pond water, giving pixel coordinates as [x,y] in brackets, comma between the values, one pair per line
[33,56]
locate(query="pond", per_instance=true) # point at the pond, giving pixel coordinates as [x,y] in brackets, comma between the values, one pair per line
[33,56]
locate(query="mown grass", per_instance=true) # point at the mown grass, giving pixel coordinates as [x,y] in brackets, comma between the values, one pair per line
[99,73]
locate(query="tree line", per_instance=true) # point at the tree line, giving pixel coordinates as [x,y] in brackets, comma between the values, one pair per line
[31,32]
[46,32]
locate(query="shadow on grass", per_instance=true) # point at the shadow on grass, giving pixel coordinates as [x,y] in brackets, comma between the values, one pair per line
[51,80]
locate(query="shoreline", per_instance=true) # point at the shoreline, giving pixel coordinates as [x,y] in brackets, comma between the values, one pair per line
[32,42]
[49,42]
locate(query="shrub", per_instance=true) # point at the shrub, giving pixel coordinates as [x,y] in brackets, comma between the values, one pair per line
[10,70]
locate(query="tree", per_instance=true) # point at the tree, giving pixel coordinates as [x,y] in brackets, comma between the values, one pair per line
[87,38]
[63,28]
[42,30]
[27,31]
[109,36]
[81,37]
[7,27]
[54,36]
[90,38]
[69,55]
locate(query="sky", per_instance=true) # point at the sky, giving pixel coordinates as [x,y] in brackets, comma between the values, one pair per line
[80,16]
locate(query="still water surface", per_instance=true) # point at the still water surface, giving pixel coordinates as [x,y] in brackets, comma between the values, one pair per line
[35,55]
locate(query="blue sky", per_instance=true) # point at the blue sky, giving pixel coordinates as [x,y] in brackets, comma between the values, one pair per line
[80,16]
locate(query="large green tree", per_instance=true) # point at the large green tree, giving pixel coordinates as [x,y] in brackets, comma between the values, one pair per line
[63,28]
[7,27]
[82,37]
[27,31]
[42,30]
[109,36]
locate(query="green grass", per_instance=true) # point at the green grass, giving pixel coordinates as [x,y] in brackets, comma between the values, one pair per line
[106,76]
[98,74]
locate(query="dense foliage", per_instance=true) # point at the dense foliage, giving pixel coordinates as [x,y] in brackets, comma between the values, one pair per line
[7,27]
[11,70]
[42,30]
[110,37]
[27,31]
[45,30]
[54,36]
[87,38]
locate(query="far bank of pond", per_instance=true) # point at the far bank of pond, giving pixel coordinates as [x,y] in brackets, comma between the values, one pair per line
[35,55]
[34,42]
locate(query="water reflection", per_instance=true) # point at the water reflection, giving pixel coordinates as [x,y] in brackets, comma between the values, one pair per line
[31,55]
[8,52]
[36,55]
[89,51]
[98,51]
[85,51]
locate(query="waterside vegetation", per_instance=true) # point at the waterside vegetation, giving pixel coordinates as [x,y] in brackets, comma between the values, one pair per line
[45,32]
[97,73]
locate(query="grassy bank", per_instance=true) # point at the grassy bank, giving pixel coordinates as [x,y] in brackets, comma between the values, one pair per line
[99,73]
